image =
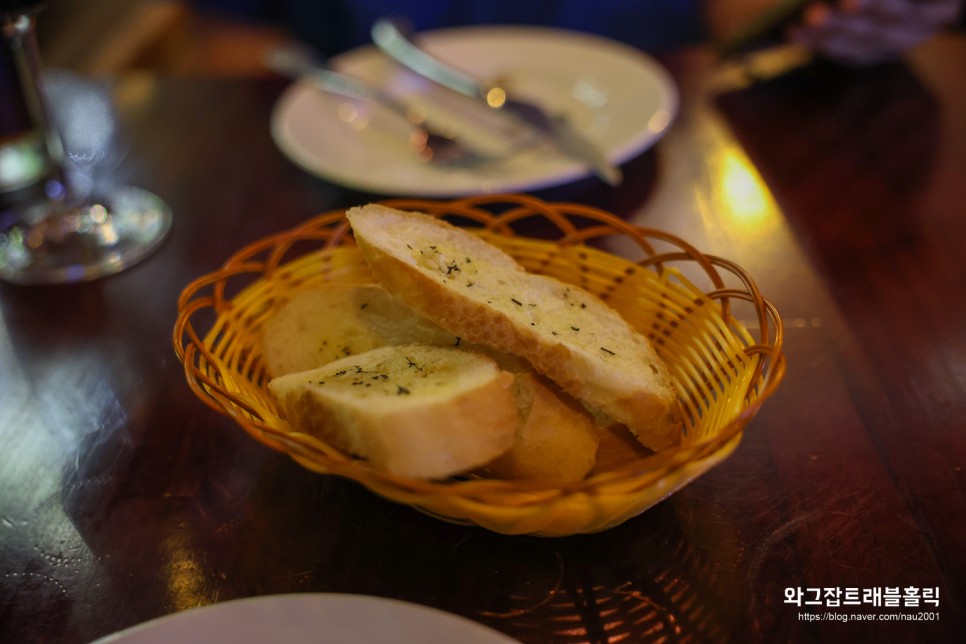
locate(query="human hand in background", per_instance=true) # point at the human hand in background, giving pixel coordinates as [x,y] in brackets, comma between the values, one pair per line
[863,32]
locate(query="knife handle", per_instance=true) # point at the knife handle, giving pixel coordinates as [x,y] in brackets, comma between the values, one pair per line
[299,62]
[394,37]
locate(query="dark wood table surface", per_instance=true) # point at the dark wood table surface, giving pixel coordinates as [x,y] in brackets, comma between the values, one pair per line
[123,498]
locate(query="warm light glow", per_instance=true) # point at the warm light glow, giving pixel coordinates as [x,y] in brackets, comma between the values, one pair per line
[35,239]
[349,113]
[744,197]
[98,213]
[416,114]
[186,579]
[417,143]
[496,97]
[734,202]
[659,121]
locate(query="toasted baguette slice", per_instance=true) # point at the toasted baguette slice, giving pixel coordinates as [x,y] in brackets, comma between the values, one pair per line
[617,447]
[413,410]
[557,440]
[332,321]
[476,291]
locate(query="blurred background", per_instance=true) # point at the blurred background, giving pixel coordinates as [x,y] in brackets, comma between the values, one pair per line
[226,37]
[166,36]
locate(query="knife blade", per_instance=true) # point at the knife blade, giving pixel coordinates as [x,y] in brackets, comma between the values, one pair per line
[393,37]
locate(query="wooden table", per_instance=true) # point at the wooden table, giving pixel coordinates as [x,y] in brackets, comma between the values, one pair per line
[123,498]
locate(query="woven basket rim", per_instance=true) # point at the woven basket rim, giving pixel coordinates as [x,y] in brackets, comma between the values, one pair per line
[332,228]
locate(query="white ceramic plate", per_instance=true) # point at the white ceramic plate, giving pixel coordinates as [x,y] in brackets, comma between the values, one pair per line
[616,96]
[310,617]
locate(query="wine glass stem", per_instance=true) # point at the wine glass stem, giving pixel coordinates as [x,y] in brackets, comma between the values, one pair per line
[25,99]
[48,233]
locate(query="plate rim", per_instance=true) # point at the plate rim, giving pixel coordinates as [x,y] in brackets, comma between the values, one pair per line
[431,614]
[637,145]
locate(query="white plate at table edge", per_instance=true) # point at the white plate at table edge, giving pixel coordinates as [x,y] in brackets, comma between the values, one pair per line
[640,102]
[316,617]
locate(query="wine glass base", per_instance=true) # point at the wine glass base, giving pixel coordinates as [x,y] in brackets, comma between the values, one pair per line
[57,244]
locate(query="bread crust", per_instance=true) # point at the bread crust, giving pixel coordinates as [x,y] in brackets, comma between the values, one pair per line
[557,440]
[416,411]
[330,321]
[479,293]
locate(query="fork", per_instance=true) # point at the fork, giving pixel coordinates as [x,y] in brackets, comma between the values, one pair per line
[429,144]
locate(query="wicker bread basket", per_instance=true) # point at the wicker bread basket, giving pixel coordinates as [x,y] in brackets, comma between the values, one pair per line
[695,308]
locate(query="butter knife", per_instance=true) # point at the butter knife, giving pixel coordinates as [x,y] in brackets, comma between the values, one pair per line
[394,38]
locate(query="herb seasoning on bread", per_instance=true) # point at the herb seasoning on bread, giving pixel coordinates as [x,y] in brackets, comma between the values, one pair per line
[332,321]
[478,292]
[413,410]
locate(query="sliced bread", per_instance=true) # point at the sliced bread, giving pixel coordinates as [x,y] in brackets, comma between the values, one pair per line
[413,410]
[332,321]
[478,292]
[557,440]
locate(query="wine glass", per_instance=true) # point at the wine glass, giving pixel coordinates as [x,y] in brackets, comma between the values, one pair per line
[50,232]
